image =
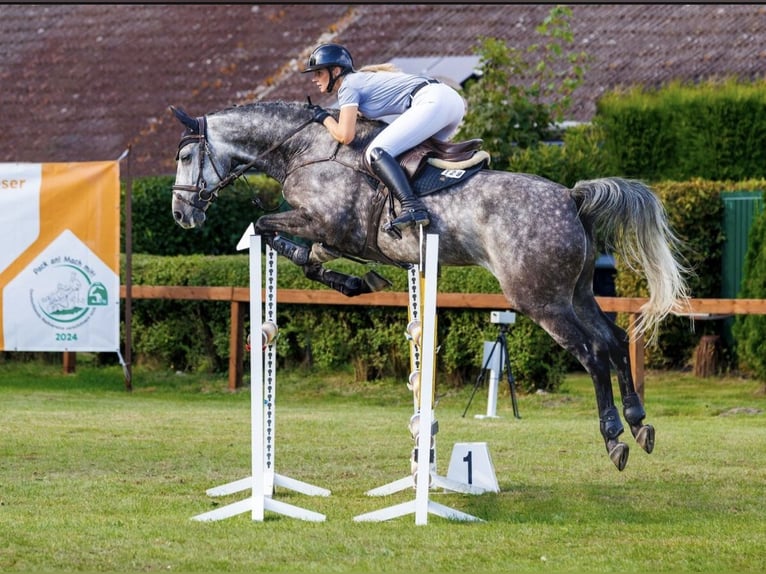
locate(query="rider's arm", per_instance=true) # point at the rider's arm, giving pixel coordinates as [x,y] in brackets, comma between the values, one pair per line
[343,130]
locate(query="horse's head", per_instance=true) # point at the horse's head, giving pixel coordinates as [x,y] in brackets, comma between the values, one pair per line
[213,155]
[198,176]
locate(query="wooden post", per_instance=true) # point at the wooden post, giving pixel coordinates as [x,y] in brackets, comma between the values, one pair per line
[70,362]
[706,356]
[636,350]
[236,344]
[128,349]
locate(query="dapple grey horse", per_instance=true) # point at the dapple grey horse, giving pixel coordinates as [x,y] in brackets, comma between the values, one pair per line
[535,236]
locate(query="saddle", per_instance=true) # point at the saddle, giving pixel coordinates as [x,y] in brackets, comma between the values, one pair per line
[444,155]
[435,165]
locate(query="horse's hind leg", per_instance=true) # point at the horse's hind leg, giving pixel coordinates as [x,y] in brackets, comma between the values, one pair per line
[634,414]
[617,341]
[632,408]
[593,352]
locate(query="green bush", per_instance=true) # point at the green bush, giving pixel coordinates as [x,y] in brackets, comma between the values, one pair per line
[521,94]
[155,232]
[715,130]
[750,330]
[695,212]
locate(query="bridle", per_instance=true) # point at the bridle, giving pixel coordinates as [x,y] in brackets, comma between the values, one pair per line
[207,196]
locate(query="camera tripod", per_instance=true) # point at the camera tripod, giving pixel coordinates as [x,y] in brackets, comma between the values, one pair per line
[502,343]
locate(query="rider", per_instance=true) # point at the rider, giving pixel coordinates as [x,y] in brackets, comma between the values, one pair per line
[421,108]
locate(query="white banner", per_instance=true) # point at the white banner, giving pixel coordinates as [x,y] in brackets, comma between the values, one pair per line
[59,264]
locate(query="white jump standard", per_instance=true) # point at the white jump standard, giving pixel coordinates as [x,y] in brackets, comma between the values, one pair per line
[423,430]
[414,333]
[263,477]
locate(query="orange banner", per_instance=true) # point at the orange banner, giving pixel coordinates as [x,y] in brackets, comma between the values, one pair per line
[59,267]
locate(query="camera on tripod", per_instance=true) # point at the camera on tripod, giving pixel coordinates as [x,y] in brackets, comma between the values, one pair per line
[502,362]
[502,317]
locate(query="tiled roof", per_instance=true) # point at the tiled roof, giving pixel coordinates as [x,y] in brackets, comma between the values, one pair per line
[82,82]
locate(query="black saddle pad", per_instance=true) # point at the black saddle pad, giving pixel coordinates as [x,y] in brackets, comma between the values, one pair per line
[432,179]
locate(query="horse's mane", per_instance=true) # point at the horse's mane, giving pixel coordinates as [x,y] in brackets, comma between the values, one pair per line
[295,111]
[269,107]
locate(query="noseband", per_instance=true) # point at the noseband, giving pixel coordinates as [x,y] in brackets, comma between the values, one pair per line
[204,196]
[207,196]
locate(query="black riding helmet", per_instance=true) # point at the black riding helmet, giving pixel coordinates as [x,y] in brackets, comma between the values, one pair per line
[328,56]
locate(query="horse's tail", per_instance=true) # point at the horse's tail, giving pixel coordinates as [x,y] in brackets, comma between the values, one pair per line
[632,220]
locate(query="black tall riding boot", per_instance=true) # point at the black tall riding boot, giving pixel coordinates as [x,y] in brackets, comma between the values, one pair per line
[392,175]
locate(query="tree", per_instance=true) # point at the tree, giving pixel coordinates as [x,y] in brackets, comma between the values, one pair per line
[520,94]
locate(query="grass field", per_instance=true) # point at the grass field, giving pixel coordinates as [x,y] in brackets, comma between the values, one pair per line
[96,479]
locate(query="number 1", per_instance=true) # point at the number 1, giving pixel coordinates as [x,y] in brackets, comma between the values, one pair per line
[467,459]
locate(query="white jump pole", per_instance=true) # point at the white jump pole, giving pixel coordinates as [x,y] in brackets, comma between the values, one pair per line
[263,478]
[422,506]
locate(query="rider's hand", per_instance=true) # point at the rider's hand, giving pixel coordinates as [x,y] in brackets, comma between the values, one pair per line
[320,114]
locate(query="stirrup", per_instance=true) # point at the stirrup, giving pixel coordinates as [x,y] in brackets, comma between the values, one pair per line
[414,217]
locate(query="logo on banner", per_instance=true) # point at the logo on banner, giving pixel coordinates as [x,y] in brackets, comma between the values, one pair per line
[66,298]
[66,293]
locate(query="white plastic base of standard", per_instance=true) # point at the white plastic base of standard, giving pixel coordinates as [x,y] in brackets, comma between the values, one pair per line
[437,482]
[279,480]
[406,508]
[270,504]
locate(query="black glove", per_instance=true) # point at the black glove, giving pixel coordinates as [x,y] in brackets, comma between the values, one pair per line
[320,114]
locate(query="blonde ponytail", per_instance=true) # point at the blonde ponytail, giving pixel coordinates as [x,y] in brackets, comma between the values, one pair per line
[388,67]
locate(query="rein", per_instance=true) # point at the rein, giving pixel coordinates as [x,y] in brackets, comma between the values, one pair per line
[207,196]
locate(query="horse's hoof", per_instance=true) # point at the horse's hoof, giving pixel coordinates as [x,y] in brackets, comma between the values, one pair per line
[645,438]
[619,455]
[376,282]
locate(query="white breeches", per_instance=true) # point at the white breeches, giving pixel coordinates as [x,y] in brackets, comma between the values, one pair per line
[436,111]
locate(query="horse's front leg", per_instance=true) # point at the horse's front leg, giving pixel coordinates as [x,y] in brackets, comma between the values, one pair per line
[349,285]
[310,259]
[293,222]
[632,408]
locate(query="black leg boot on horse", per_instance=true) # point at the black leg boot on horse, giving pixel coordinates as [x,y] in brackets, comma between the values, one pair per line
[391,174]
[611,428]
[634,414]
[349,285]
[298,254]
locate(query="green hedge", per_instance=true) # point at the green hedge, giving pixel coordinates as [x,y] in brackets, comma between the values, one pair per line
[581,156]
[194,335]
[714,131]
[155,232]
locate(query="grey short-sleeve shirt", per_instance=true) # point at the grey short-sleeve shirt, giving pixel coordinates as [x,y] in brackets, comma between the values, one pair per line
[378,94]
